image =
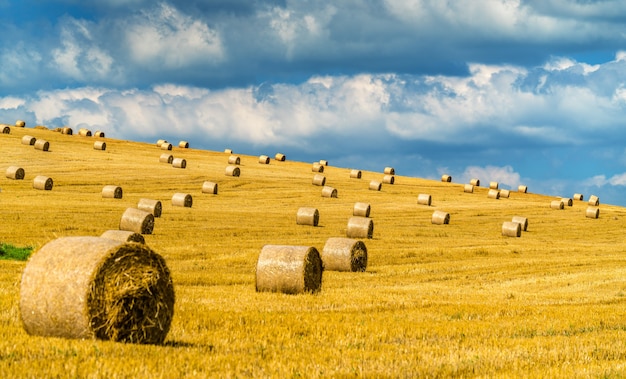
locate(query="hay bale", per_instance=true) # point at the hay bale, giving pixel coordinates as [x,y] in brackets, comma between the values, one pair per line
[578,196]
[360,227]
[289,269]
[344,254]
[209,187]
[67,130]
[440,218]
[475,182]
[329,192]
[446,178]
[183,144]
[355,174]
[317,167]
[319,180]
[375,185]
[99,134]
[42,182]
[568,202]
[522,189]
[493,194]
[160,142]
[505,193]
[594,201]
[179,163]
[264,159]
[42,145]
[424,199]
[494,185]
[592,212]
[137,220]
[389,171]
[389,179]
[323,162]
[15,173]
[92,287]
[28,140]
[280,157]
[307,216]
[123,236]
[166,146]
[6,130]
[523,221]
[361,209]
[41,127]
[166,158]
[468,188]
[511,229]
[20,123]
[228,151]
[232,171]
[233,159]
[84,132]
[180,199]
[100,145]
[557,204]
[152,206]
[112,192]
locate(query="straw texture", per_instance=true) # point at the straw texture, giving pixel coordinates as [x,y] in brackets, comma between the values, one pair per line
[511,229]
[493,194]
[43,183]
[594,201]
[209,187]
[523,221]
[375,185]
[319,180]
[361,209]
[232,171]
[317,167]
[307,216]
[151,206]
[468,188]
[137,220]
[99,145]
[15,172]
[166,158]
[440,218]
[123,236]
[389,179]
[355,174]
[289,269]
[360,227]
[557,204]
[28,140]
[592,212]
[233,159]
[180,199]
[329,192]
[42,145]
[179,163]
[344,254]
[112,192]
[505,193]
[424,199]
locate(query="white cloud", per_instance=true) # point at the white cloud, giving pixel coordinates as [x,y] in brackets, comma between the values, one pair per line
[602,180]
[11,102]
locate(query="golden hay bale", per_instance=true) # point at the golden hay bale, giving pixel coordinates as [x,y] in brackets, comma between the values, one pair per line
[209,187]
[375,185]
[137,220]
[166,146]
[14,172]
[360,227]
[440,218]
[160,142]
[228,151]
[99,134]
[493,185]
[289,269]
[505,193]
[493,194]
[568,202]
[123,236]
[100,145]
[152,206]
[84,132]
[307,216]
[389,171]
[232,171]
[179,163]
[475,182]
[523,221]
[42,183]
[28,140]
[319,180]
[424,199]
[522,189]
[317,167]
[578,196]
[592,212]
[41,127]
[42,145]
[264,159]
[323,162]
[344,254]
[329,192]
[166,158]
[233,159]
[67,130]
[389,179]
[355,174]
[92,287]
[469,188]
[557,204]
[511,229]
[594,201]
[6,130]
[112,192]
[183,144]
[280,157]
[361,209]
[180,199]
[20,123]
[446,178]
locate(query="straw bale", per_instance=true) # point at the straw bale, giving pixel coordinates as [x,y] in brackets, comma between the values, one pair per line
[307,216]
[112,192]
[6,130]
[475,182]
[469,188]
[41,127]
[505,193]
[123,236]
[493,194]
[592,212]
[180,199]
[522,188]
[424,199]
[319,180]
[97,288]
[84,132]
[280,157]
[389,171]
[67,130]
[209,187]
[446,178]
[375,185]
[329,192]
[355,174]
[179,163]
[594,201]
[511,229]
[493,185]
[183,144]
[160,142]
[361,209]
[440,218]
[389,179]
[568,202]
[264,159]
[557,204]
[20,123]
[42,182]
[99,145]
[317,167]
[28,140]
[42,145]
[15,172]
[323,162]
[578,196]
[228,151]
[137,220]
[233,159]
[99,134]
[344,254]
[166,146]
[360,227]
[523,221]
[232,171]
[166,158]
[151,206]
[289,269]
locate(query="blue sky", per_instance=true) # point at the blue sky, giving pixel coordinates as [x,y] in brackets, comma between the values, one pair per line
[517,91]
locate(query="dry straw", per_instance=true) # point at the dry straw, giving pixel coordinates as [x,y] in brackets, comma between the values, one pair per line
[344,254]
[180,199]
[511,229]
[389,179]
[166,146]
[15,172]
[67,130]
[232,171]
[6,130]
[137,220]
[493,194]
[578,196]
[493,185]
[166,158]
[319,180]
[307,216]
[375,185]
[567,201]
[289,269]
[92,287]
[389,171]
[361,209]
[505,193]
[123,236]
[42,145]
[446,178]
[28,140]
[228,151]
[592,212]
[557,204]
[329,192]
[183,145]
[233,159]
[594,201]
[360,227]
[160,142]
[264,159]
[42,183]
[522,189]
[112,192]
[179,163]
[440,218]
[99,134]
[20,123]
[355,174]
[41,127]
[317,167]
[468,188]
[475,182]
[84,132]
[323,162]
[209,187]
[100,145]
[424,199]
[152,206]
[280,157]
[523,221]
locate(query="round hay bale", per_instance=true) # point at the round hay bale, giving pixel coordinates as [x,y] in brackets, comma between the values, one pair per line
[160,142]
[264,159]
[42,182]
[28,140]
[389,171]
[307,216]
[182,200]
[179,163]
[183,144]
[355,174]
[568,202]
[446,178]
[344,254]
[329,192]
[137,220]
[317,167]
[92,287]
[468,188]
[41,127]
[166,158]
[557,204]
[505,193]
[319,180]
[100,145]
[289,269]
[154,207]
[361,209]
[389,179]
[166,146]
[232,171]
[209,187]
[493,194]
[375,185]
[592,212]
[20,123]
[475,182]
[360,227]
[42,145]
[494,185]
[323,162]
[6,130]
[99,134]
[594,201]
[578,196]
[233,159]
[112,192]
[84,132]
[228,151]
[67,130]
[123,236]
[280,157]
[511,229]
[523,221]
[440,218]
[522,189]
[424,199]
[15,172]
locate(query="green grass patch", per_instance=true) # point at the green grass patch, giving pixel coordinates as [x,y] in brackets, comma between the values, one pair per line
[10,252]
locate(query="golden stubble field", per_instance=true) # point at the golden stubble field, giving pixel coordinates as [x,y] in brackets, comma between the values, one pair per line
[457,300]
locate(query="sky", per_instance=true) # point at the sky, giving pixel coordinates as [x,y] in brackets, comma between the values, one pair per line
[528,92]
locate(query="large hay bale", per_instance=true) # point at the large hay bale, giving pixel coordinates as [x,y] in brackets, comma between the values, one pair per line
[42,145]
[323,162]
[183,144]
[594,201]
[493,194]
[361,209]
[42,182]
[20,123]
[228,151]
[179,163]
[557,204]
[15,173]
[440,218]
[446,178]
[166,158]
[92,287]
[6,130]
[28,140]
[180,199]
[375,185]
[424,199]
[389,171]
[289,269]
[100,145]
[123,236]
[280,157]
[523,221]
[307,216]
[166,146]
[84,132]
[475,182]
[99,134]
[112,192]
[360,227]
[160,142]
[67,130]
[578,196]
[232,171]
[389,179]
[264,159]
[137,220]
[344,254]
[355,174]
[317,167]
[568,202]
[329,192]
[152,206]
[592,212]
[233,159]
[209,187]
[319,180]
[511,229]
[522,189]
[468,188]
[494,185]
[505,193]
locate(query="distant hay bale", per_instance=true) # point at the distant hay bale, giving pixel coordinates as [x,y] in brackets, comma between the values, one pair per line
[475,182]
[361,209]
[112,192]
[523,221]
[123,236]
[360,227]
[493,194]
[233,159]
[522,189]
[41,127]
[183,144]
[160,142]
[228,151]
[6,130]
[440,218]
[264,159]
[389,179]
[329,192]
[355,174]
[151,206]
[232,171]
[493,185]
[468,188]
[446,178]
[280,157]
[209,187]
[15,173]
[166,146]
[166,158]
[557,204]
[42,145]
[100,145]
[317,167]
[20,123]
[97,288]
[67,130]
[42,182]
[180,199]
[424,199]
[568,202]
[323,162]
[511,229]
[289,269]
[578,196]
[319,180]
[344,254]
[389,171]
[137,220]
[375,185]
[307,216]
[28,140]
[594,201]
[99,134]
[179,163]
[84,132]
[505,193]
[592,212]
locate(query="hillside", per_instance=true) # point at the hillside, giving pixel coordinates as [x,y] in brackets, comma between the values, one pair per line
[435,300]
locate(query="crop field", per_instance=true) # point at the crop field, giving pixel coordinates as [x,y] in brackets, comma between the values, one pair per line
[455,300]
